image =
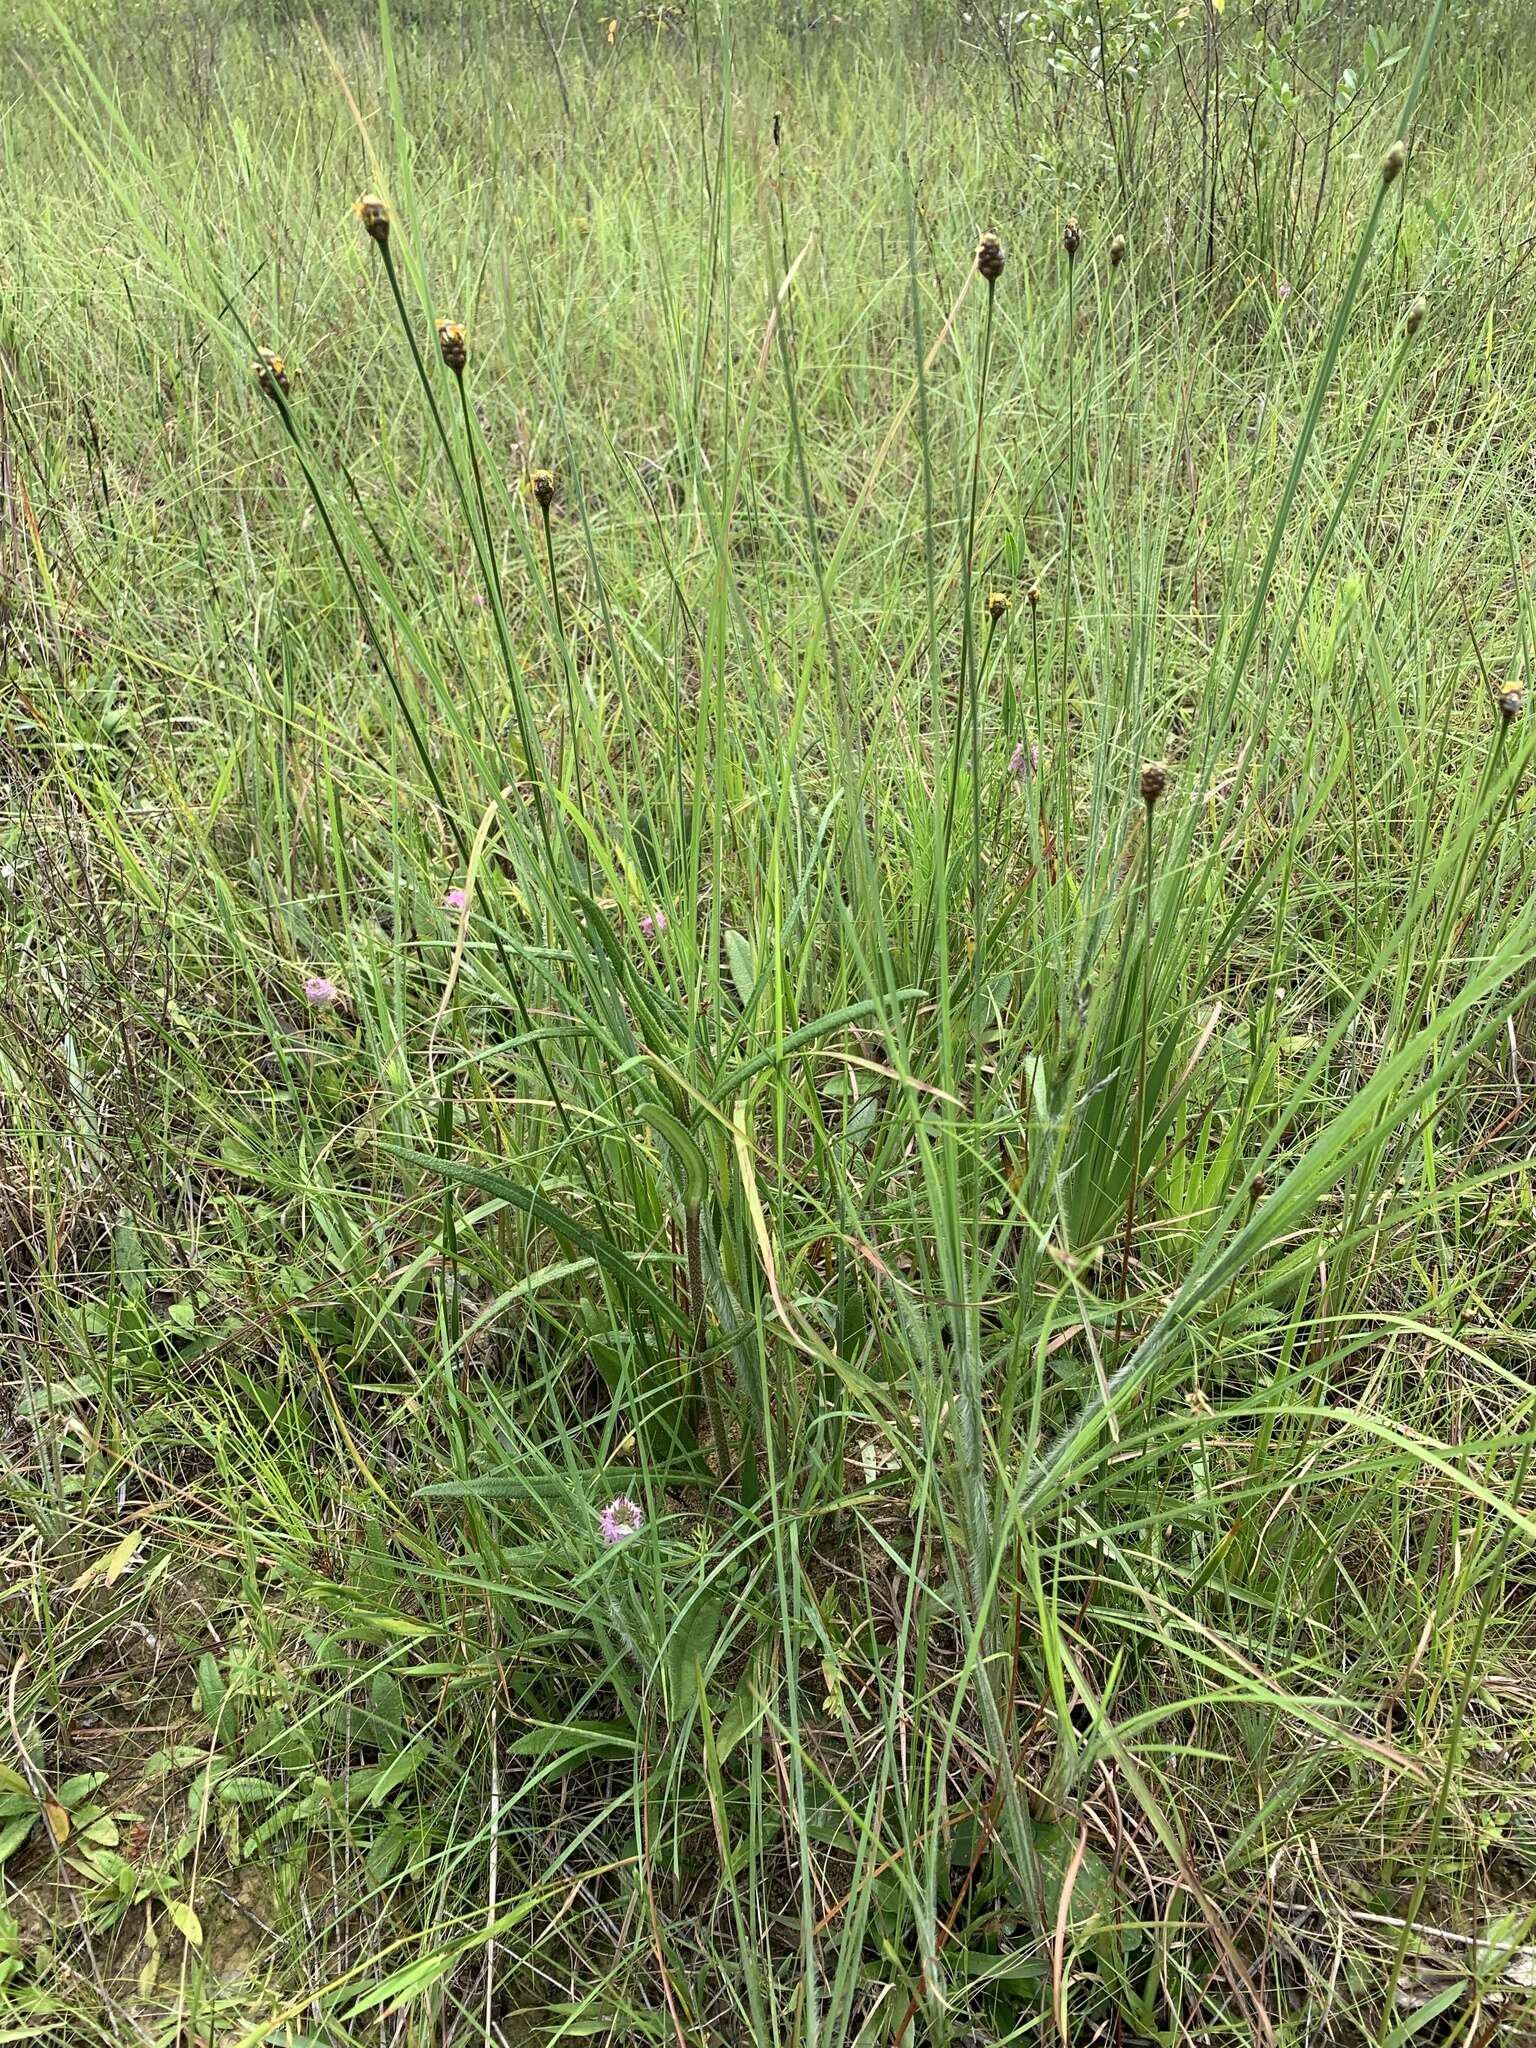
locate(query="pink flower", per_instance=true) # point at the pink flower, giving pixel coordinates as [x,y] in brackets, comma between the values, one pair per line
[653,925]
[620,1520]
[455,900]
[321,994]
[1282,290]
[1024,760]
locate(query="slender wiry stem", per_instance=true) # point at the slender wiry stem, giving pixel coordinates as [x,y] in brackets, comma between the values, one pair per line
[972,1429]
[499,615]
[967,634]
[970,682]
[1064,687]
[374,637]
[1038,739]
[480,536]
[1141,1069]
[703,1366]
[569,669]
[479,480]
[410,334]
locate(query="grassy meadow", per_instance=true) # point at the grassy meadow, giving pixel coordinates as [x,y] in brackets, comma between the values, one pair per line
[766,1035]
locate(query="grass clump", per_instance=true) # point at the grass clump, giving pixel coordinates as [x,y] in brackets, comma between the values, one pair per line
[766,1153]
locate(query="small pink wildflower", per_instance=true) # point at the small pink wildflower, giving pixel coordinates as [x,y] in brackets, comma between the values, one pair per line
[320,993]
[620,1520]
[1024,760]
[455,900]
[1282,290]
[653,924]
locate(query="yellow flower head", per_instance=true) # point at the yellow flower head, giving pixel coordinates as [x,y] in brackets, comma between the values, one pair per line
[373,212]
[271,373]
[452,345]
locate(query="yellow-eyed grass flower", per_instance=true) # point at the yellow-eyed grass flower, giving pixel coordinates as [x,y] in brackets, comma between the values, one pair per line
[1032,597]
[271,374]
[1392,163]
[373,212]
[1072,238]
[1117,252]
[452,346]
[1413,319]
[998,605]
[1511,702]
[541,488]
[1154,783]
[989,257]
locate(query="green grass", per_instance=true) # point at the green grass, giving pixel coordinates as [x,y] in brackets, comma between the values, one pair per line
[1052,1268]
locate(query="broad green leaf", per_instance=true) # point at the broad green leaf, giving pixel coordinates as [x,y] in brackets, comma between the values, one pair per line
[245,1791]
[15,1832]
[185,1921]
[688,1648]
[210,1687]
[738,954]
[399,1770]
[562,1746]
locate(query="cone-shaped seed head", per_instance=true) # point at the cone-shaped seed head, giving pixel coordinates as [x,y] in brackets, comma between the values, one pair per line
[373,212]
[452,345]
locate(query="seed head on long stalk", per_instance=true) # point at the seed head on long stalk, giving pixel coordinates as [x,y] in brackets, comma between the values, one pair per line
[990,258]
[1154,787]
[373,212]
[271,374]
[452,346]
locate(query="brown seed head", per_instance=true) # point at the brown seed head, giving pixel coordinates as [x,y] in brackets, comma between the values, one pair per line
[541,484]
[1392,163]
[998,605]
[451,343]
[1117,252]
[989,257]
[1154,782]
[1072,238]
[1033,596]
[373,212]
[1511,702]
[1413,320]
[271,374]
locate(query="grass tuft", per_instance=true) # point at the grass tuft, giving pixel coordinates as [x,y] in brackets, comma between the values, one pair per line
[765,1183]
